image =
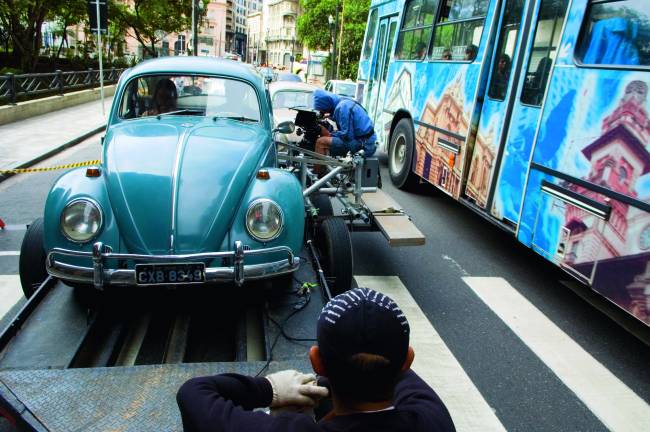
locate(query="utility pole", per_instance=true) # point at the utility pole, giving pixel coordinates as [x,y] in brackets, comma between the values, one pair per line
[293,47]
[195,42]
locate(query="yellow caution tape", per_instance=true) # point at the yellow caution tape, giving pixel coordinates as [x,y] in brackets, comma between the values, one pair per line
[54,168]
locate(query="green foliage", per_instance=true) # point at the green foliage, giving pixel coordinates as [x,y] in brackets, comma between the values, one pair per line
[314,30]
[147,19]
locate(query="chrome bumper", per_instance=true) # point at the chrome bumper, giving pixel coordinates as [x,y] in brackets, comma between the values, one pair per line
[99,276]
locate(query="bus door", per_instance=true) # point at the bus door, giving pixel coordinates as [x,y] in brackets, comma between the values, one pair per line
[542,48]
[387,28]
[506,61]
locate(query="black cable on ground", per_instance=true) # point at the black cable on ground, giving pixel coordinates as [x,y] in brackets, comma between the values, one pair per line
[282,332]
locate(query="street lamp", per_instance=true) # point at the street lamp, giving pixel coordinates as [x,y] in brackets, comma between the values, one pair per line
[333,25]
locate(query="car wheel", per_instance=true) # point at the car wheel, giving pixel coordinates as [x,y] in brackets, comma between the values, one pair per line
[400,156]
[31,264]
[323,203]
[335,252]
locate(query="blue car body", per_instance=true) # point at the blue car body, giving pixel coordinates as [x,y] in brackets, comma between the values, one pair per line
[176,189]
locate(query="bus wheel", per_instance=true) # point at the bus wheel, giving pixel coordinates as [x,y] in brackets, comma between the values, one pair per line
[31,263]
[335,253]
[400,156]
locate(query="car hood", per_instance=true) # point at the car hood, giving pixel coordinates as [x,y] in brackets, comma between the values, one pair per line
[175,187]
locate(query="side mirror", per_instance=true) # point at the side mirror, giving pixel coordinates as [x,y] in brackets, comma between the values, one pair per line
[285,127]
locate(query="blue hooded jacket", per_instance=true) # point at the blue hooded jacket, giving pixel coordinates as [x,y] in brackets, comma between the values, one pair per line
[351,119]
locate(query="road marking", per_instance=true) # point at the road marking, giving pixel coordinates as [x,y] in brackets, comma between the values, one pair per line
[614,403]
[435,363]
[453,263]
[10,293]
[9,253]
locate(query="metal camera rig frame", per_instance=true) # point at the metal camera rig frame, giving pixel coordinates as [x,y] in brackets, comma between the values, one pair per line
[343,179]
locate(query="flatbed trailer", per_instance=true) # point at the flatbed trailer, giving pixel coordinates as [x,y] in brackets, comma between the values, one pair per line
[64,367]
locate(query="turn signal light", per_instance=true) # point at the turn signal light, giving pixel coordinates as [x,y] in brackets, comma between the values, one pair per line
[452,160]
[263,174]
[93,172]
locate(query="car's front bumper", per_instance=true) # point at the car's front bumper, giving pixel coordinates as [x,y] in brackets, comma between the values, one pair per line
[100,276]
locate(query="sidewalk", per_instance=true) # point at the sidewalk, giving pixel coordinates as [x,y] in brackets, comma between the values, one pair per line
[26,142]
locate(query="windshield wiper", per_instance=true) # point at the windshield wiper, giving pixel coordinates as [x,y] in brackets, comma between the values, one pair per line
[183,111]
[237,118]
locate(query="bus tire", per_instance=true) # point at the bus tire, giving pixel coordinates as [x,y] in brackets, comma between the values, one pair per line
[400,156]
[31,263]
[335,253]
[323,203]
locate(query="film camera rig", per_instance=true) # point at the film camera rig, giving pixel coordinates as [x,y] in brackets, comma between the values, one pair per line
[345,178]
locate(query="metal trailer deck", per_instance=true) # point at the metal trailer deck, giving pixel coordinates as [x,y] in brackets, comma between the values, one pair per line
[64,367]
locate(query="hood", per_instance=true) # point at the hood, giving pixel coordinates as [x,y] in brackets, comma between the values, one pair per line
[325,101]
[175,186]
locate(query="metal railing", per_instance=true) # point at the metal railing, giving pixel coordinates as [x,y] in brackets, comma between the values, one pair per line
[31,86]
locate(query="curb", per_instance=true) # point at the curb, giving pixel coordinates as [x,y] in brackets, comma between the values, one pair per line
[73,142]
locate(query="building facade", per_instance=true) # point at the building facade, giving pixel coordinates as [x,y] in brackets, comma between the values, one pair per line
[281,40]
[255,37]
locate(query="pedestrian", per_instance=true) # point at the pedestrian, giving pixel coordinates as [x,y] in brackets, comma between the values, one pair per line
[363,358]
[355,130]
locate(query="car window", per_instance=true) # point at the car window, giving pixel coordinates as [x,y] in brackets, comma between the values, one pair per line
[293,99]
[189,95]
[346,89]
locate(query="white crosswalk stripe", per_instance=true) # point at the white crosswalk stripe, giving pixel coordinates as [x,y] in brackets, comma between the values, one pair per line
[614,403]
[436,364]
[10,292]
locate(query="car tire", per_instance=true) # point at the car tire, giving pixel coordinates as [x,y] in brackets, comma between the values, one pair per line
[323,203]
[335,254]
[31,263]
[400,156]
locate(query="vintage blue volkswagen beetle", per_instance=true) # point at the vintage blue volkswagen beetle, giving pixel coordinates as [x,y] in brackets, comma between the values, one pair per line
[187,191]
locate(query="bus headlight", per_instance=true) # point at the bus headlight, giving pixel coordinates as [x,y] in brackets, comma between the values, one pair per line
[264,220]
[81,220]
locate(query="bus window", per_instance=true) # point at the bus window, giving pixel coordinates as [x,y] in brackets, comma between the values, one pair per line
[370,35]
[458,31]
[505,49]
[547,38]
[616,33]
[416,29]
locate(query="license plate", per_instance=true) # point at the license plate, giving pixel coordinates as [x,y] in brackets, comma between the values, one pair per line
[155,274]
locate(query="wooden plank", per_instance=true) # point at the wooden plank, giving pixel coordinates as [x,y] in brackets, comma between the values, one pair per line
[379,201]
[399,230]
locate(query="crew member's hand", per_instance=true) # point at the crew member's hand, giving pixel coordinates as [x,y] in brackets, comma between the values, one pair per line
[291,387]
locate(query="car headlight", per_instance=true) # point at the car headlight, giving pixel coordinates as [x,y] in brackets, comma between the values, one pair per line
[81,220]
[264,220]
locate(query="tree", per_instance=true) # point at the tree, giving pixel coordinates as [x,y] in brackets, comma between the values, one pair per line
[146,19]
[69,13]
[314,32]
[23,20]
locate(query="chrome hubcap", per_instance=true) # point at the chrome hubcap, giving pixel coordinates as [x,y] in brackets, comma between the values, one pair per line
[398,155]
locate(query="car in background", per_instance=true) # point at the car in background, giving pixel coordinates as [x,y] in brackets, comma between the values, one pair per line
[342,88]
[286,95]
[188,191]
[268,73]
[286,76]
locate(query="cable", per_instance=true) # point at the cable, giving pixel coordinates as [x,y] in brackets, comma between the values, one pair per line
[282,332]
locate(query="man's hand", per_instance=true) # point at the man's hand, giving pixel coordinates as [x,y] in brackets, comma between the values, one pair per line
[291,387]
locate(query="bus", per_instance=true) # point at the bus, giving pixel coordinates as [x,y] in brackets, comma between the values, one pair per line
[534,114]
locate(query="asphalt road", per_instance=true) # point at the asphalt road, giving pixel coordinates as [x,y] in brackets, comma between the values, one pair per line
[521,385]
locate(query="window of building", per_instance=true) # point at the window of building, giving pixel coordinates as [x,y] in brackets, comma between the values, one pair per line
[616,33]
[502,64]
[370,34]
[416,29]
[458,31]
[547,38]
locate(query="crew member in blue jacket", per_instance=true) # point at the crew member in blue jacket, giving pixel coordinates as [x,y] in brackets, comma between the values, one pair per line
[363,357]
[355,130]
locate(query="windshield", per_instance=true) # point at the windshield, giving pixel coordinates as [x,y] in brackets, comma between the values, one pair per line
[293,99]
[345,89]
[155,95]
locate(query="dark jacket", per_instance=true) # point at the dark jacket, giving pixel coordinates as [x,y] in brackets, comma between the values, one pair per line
[224,403]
